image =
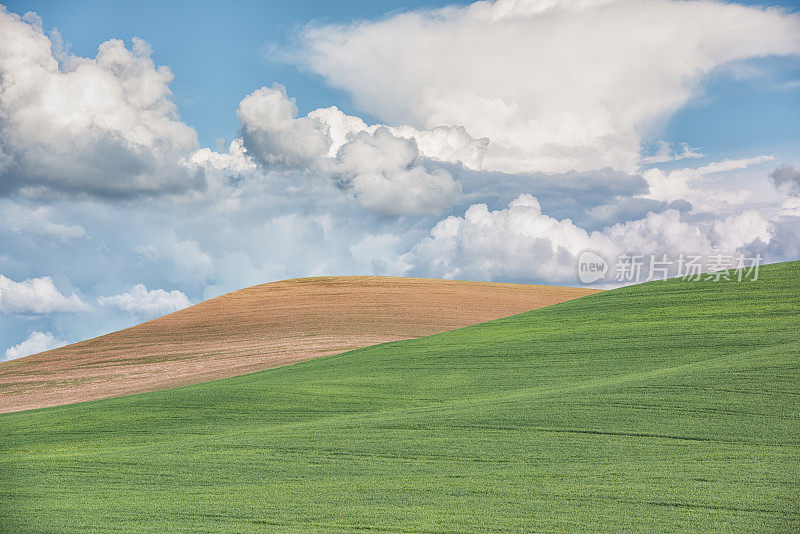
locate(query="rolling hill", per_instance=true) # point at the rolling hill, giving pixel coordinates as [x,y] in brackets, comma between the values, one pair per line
[260,327]
[668,406]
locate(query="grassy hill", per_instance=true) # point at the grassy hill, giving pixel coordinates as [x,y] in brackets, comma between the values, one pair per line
[261,327]
[667,406]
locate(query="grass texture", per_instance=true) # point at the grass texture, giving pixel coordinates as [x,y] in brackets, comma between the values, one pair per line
[668,406]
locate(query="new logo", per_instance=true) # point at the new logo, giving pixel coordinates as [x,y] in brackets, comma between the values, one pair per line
[591,267]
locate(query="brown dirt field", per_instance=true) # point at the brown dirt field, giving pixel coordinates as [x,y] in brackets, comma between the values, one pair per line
[261,327]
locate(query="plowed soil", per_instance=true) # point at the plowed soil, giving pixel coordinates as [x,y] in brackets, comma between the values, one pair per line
[261,327]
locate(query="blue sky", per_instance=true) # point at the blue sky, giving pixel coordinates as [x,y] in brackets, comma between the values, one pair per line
[740,115]
[490,141]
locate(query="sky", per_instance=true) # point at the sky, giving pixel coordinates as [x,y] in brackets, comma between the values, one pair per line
[155,154]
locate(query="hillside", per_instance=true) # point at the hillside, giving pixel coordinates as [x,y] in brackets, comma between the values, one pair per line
[667,406]
[260,327]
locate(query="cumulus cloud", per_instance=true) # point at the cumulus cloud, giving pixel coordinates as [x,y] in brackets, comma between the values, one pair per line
[670,233]
[234,162]
[707,188]
[273,133]
[737,231]
[522,243]
[36,296]
[383,167]
[387,176]
[104,126]
[519,242]
[786,178]
[659,233]
[442,143]
[140,301]
[37,342]
[553,85]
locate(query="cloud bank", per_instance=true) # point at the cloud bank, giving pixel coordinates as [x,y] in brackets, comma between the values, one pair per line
[382,167]
[520,242]
[554,85]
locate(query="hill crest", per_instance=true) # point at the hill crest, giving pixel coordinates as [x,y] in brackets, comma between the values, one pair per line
[259,327]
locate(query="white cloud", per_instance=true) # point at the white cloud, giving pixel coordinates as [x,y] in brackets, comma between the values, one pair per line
[387,177]
[274,134]
[666,153]
[103,126]
[37,342]
[660,233]
[383,170]
[737,231]
[522,243]
[732,164]
[447,143]
[790,207]
[555,85]
[519,242]
[443,143]
[235,161]
[140,301]
[36,296]
[707,188]
[36,221]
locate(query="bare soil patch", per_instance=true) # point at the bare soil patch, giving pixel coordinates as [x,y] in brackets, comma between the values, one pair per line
[261,327]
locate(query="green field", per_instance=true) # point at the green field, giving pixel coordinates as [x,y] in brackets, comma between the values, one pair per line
[667,406]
